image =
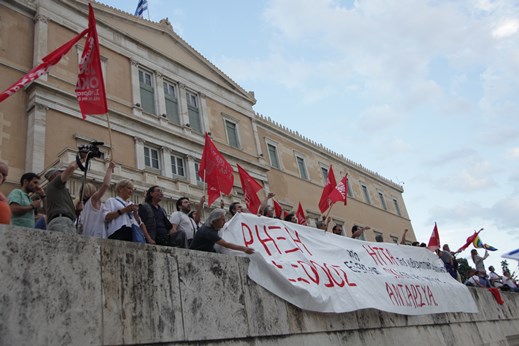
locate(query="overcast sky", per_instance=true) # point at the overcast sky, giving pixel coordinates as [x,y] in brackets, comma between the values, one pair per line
[426,93]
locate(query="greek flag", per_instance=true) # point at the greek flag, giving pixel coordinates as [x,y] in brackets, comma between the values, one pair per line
[141,7]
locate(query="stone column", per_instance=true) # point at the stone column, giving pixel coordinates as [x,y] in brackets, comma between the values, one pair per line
[36,123]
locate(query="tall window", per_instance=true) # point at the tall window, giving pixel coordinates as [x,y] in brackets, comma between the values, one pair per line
[382,200]
[171,98]
[193,110]
[302,167]
[273,155]
[366,193]
[178,166]
[232,133]
[147,91]
[151,158]
[324,172]
[397,208]
[376,233]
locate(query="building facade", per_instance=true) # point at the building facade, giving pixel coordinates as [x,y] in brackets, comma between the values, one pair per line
[163,96]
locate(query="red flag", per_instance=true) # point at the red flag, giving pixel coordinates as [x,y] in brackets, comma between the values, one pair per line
[300,215]
[280,213]
[215,171]
[340,192]
[90,87]
[434,241]
[469,241]
[250,190]
[325,202]
[50,60]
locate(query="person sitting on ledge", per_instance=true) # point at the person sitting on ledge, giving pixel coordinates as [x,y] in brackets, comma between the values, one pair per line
[473,279]
[207,235]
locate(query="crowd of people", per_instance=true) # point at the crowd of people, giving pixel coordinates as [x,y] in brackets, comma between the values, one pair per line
[116,218]
[119,218]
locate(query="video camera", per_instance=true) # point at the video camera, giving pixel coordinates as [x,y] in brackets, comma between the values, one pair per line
[88,151]
[91,149]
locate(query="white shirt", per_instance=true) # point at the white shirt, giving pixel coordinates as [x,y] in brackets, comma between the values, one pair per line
[494,279]
[126,219]
[508,282]
[184,222]
[93,220]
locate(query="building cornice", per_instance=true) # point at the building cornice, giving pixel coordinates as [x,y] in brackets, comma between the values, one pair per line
[302,140]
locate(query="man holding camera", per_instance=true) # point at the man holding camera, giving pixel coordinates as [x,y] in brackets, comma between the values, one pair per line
[61,212]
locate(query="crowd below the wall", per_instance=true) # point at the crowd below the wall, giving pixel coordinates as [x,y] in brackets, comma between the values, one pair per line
[120,219]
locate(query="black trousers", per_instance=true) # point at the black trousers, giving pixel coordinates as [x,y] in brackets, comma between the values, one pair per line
[174,240]
[123,233]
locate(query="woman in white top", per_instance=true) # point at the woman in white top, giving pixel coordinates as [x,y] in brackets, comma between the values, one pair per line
[120,213]
[91,219]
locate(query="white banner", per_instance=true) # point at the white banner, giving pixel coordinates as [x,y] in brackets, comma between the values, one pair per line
[324,272]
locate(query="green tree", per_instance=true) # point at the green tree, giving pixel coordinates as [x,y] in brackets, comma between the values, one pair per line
[463,268]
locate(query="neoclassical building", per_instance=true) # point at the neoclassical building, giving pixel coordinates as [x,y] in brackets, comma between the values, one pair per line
[163,95]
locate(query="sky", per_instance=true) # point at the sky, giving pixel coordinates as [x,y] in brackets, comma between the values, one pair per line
[426,93]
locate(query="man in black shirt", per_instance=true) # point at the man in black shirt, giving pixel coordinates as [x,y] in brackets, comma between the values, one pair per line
[207,235]
[156,220]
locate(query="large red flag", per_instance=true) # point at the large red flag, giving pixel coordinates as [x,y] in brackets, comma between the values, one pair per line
[90,86]
[278,210]
[434,241]
[50,60]
[325,202]
[250,190]
[340,192]
[300,215]
[215,171]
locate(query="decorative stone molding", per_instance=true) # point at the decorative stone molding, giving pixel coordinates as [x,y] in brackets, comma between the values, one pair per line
[40,18]
[40,107]
[138,140]
[134,62]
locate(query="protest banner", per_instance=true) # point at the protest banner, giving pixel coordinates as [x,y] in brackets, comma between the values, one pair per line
[325,272]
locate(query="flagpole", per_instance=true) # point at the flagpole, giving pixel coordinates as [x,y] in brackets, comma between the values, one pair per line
[110,137]
[205,184]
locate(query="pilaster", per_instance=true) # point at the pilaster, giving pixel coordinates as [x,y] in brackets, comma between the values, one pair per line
[36,124]
[139,152]
[166,162]
[159,87]
[41,29]
[204,114]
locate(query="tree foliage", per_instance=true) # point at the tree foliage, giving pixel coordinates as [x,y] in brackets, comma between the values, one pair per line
[463,268]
